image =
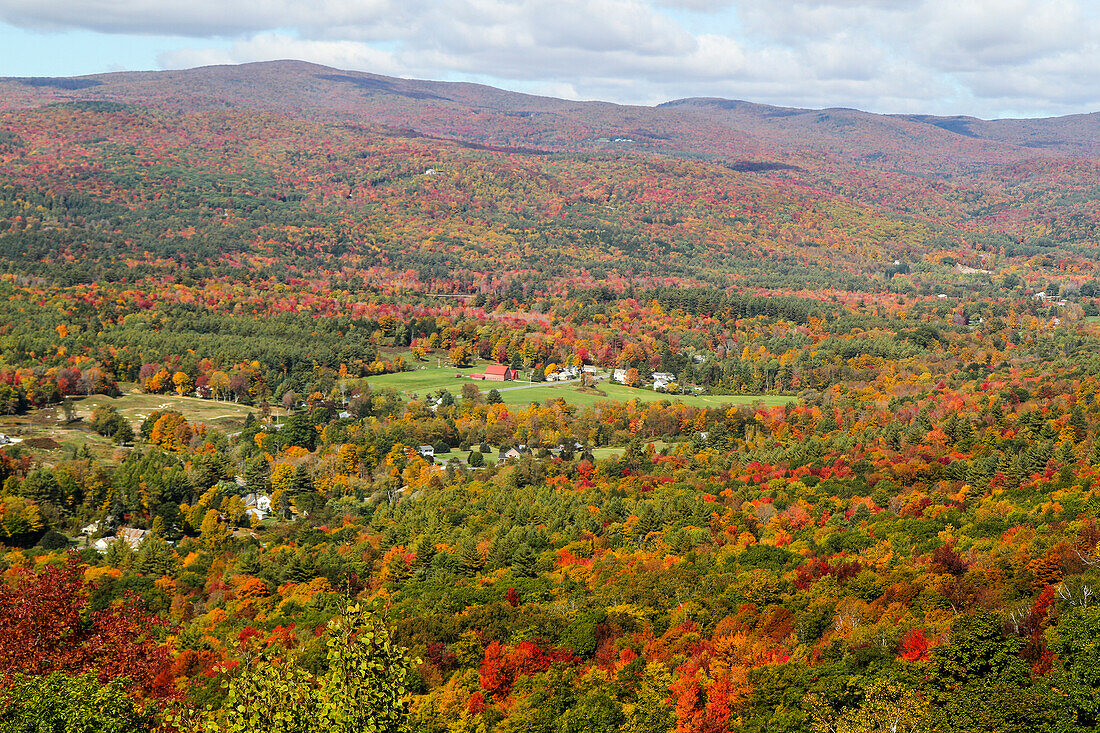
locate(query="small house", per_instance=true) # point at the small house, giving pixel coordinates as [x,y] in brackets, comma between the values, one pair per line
[567,373]
[513,453]
[427,451]
[257,507]
[130,535]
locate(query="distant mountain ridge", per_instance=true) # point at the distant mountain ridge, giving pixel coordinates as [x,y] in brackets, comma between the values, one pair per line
[723,129]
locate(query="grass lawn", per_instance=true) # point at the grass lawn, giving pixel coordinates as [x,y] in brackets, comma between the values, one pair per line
[491,457]
[617,451]
[429,379]
[623,394]
[620,393]
[543,392]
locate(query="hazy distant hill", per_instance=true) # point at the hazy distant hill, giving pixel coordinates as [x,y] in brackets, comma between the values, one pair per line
[857,134]
[724,129]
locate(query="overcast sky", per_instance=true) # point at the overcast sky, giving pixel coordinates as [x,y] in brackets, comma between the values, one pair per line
[989,58]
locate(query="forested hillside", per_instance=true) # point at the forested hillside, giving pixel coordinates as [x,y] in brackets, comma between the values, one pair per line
[804,433]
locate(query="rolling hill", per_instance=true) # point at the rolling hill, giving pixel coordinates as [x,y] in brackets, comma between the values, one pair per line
[712,128]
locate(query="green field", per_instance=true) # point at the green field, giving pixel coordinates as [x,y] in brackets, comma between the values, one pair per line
[423,381]
[430,379]
[624,393]
[619,393]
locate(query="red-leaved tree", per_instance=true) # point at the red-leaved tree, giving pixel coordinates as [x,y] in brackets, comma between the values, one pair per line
[46,626]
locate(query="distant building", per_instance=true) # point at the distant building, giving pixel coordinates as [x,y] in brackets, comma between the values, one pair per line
[497,373]
[130,535]
[563,375]
[619,375]
[257,507]
[517,452]
[427,451]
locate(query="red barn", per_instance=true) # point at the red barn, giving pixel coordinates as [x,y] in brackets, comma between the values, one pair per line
[500,373]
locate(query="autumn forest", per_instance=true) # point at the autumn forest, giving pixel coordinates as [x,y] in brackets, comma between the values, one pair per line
[804,434]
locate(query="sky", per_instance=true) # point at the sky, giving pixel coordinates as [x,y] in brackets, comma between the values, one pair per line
[987,58]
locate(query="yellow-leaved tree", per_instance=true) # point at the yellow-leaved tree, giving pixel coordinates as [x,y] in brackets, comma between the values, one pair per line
[361,689]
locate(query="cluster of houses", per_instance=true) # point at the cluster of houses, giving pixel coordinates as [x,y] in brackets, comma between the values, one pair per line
[520,451]
[505,373]
[569,373]
[428,452]
[256,506]
[130,535]
[661,380]
[1052,299]
[502,373]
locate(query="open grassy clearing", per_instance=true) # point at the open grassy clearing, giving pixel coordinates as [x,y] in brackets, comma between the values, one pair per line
[136,406]
[616,451]
[429,379]
[423,381]
[49,436]
[619,393]
[624,394]
[44,432]
[491,457]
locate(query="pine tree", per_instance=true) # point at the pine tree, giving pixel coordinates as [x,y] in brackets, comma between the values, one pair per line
[156,556]
[470,559]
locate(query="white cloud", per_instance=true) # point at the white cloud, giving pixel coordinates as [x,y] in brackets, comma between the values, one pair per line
[997,33]
[946,56]
[202,18]
[275,46]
